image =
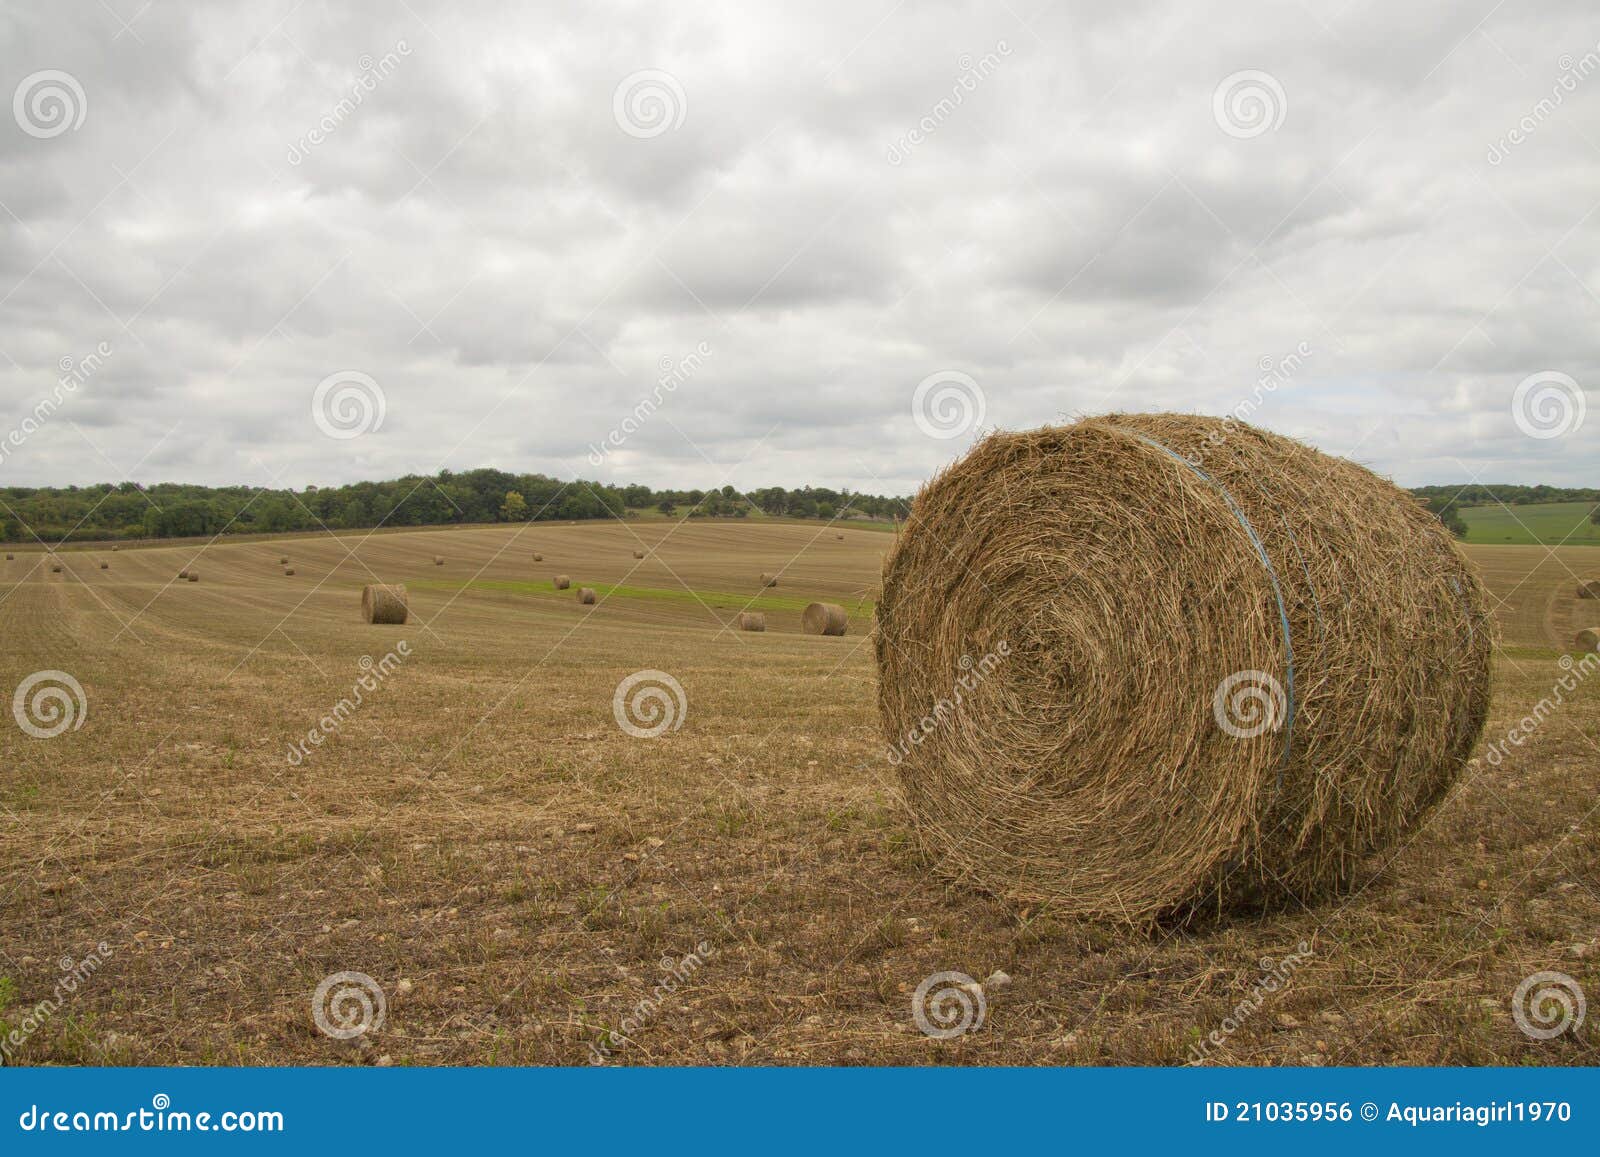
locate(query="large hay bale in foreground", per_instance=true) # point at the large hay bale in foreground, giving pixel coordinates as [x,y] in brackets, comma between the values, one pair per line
[1589,589]
[752,621]
[561,582]
[586,596]
[1146,662]
[1589,639]
[824,619]
[384,603]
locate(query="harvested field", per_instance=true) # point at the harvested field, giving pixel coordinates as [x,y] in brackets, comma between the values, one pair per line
[511,866]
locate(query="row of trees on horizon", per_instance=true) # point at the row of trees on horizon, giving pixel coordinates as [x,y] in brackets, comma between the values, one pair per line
[128,510]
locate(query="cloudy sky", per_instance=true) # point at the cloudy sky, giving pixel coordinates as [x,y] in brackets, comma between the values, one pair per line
[290,243]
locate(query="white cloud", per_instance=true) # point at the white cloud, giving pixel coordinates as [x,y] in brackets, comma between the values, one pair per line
[1075,232]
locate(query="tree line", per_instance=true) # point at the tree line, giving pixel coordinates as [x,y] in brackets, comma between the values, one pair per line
[129,510]
[1446,501]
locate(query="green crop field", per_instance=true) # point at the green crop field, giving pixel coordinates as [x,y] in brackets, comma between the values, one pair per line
[1545,523]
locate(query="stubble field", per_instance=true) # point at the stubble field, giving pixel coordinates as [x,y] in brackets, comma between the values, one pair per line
[519,875]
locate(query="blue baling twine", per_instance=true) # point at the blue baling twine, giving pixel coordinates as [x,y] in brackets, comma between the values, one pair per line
[1277,590]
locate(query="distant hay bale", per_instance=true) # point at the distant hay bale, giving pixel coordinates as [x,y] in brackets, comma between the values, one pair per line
[1149,662]
[438,560]
[538,558]
[115,548]
[769,580]
[105,566]
[840,537]
[586,595]
[638,554]
[1587,588]
[182,574]
[1589,639]
[824,619]
[10,557]
[55,568]
[561,582]
[194,576]
[282,558]
[384,603]
[752,621]
[288,570]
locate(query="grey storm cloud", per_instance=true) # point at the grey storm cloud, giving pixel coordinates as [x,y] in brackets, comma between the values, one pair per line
[512,221]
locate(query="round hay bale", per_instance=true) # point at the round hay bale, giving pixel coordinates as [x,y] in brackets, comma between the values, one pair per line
[824,619]
[538,558]
[194,576]
[55,568]
[105,566]
[10,557]
[752,621]
[1145,662]
[438,560]
[561,582]
[1587,589]
[638,554]
[288,570]
[384,603]
[1589,639]
[114,549]
[840,537]
[586,596]
[182,574]
[282,558]
[769,580]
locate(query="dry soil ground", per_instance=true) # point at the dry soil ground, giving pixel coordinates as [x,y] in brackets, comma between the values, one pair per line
[510,867]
